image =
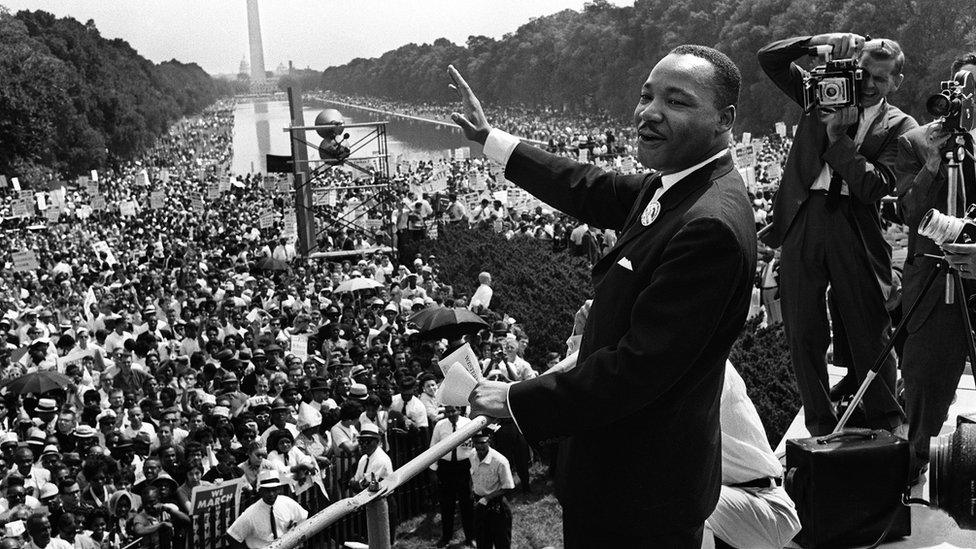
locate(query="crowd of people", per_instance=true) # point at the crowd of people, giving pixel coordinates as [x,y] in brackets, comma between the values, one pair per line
[192,359]
[186,361]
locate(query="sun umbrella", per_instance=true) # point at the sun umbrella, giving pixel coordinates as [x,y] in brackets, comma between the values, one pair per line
[450,324]
[38,382]
[272,264]
[356,284]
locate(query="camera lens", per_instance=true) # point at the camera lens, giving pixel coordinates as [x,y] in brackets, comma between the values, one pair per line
[938,105]
[953,475]
[939,227]
[830,91]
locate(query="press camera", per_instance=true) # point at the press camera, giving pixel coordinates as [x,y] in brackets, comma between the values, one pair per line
[836,83]
[954,103]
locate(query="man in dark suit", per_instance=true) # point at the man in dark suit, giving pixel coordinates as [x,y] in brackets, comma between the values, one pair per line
[826,218]
[670,298]
[935,349]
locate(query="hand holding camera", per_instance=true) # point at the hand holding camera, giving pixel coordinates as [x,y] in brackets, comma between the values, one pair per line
[931,147]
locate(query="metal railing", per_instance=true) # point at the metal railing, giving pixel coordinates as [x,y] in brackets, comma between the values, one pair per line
[377,510]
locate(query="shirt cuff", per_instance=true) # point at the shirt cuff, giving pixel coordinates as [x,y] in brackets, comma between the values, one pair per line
[508,404]
[499,146]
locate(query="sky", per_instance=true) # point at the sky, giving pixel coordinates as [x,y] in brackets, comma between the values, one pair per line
[316,34]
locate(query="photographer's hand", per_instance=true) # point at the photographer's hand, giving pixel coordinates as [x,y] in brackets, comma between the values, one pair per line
[962,257]
[472,121]
[845,45]
[837,121]
[935,137]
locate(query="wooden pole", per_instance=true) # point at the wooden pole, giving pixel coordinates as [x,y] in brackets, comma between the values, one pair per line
[304,531]
[378,524]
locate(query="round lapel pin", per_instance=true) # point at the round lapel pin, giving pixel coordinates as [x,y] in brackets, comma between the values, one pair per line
[650,213]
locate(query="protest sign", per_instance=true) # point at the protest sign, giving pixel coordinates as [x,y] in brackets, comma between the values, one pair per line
[432,231]
[3,181]
[128,208]
[157,199]
[15,183]
[98,202]
[299,346]
[462,153]
[781,129]
[266,220]
[584,155]
[214,497]
[627,165]
[746,138]
[25,260]
[774,170]
[94,176]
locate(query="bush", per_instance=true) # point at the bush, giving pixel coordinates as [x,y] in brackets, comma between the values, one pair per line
[540,289]
[762,357]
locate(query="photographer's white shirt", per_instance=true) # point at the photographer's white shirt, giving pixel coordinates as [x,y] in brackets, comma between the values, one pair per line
[864,123]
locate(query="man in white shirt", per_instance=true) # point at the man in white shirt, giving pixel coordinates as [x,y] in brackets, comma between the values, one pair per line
[753,509]
[374,465]
[39,530]
[453,477]
[482,296]
[491,479]
[268,518]
[414,411]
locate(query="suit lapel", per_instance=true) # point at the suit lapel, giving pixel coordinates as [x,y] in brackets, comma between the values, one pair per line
[672,198]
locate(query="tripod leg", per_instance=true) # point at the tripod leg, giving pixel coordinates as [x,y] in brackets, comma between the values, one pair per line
[856,400]
[966,322]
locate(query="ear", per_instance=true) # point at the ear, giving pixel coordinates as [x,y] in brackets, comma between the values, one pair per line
[726,118]
[898,80]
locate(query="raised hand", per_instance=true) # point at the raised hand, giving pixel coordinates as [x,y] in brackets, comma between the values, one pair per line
[472,121]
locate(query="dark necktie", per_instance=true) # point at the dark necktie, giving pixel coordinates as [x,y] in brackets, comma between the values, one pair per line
[274,526]
[836,180]
[454,451]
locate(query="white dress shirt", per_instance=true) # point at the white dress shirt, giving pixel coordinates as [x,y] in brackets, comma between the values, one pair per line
[865,120]
[253,527]
[444,429]
[378,463]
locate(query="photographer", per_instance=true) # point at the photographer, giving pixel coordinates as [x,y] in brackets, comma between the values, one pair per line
[826,218]
[935,349]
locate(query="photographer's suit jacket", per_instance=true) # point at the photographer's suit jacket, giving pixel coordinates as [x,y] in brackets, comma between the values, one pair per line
[867,170]
[918,191]
[642,407]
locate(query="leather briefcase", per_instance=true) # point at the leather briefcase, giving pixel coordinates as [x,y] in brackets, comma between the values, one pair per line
[848,487]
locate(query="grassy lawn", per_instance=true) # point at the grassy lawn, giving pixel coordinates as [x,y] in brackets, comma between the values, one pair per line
[536,520]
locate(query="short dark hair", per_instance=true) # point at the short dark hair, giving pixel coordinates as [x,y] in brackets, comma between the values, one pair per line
[964,59]
[890,50]
[727,78]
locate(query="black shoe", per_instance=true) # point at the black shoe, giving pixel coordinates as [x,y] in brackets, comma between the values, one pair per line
[846,387]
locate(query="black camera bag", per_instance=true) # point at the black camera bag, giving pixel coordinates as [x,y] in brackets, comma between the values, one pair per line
[847,487]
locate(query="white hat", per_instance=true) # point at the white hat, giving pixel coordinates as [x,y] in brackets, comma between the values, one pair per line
[269,479]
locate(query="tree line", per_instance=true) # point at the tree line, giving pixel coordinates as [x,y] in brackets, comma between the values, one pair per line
[596,59]
[72,100]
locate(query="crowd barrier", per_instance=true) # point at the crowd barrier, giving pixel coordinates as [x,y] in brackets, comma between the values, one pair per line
[208,529]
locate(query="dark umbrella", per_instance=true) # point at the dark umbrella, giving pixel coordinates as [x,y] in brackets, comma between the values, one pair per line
[38,382]
[450,324]
[272,264]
